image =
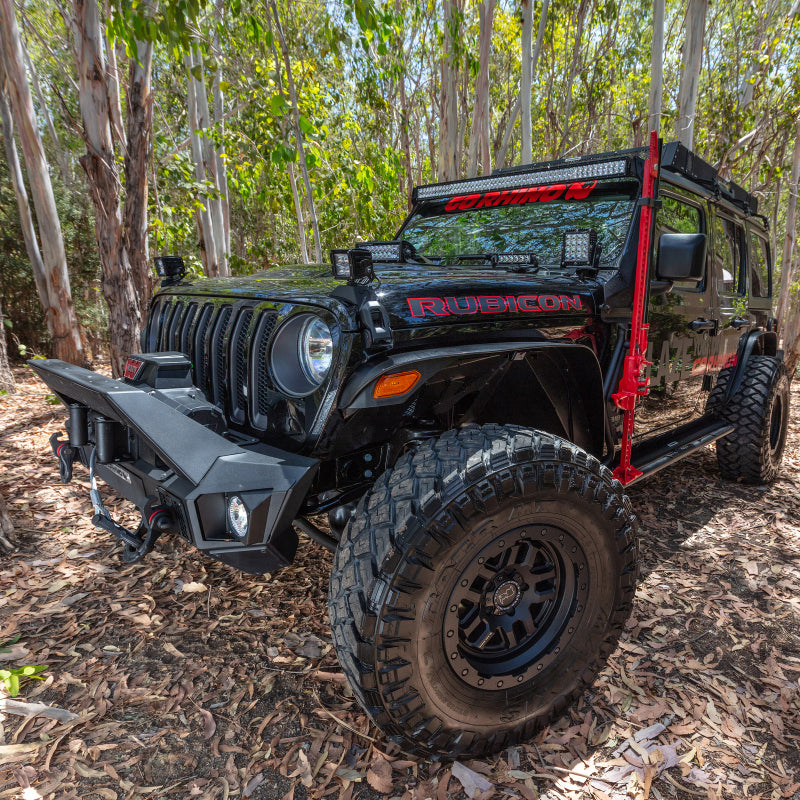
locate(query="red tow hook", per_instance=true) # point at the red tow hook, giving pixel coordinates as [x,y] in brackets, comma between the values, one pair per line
[65,453]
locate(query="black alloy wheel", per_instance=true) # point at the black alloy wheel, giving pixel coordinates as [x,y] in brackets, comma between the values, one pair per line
[480,586]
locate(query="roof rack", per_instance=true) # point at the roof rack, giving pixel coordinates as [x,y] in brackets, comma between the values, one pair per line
[676,157]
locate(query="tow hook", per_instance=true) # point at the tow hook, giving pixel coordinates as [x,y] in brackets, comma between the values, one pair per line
[65,453]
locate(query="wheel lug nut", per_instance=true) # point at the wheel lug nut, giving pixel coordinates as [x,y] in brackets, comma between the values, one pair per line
[464,672]
[454,656]
[539,666]
[449,634]
[499,684]
[463,583]
[453,609]
[519,679]
[480,681]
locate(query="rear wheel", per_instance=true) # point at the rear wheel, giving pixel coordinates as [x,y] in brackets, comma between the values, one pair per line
[752,453]
[480,586]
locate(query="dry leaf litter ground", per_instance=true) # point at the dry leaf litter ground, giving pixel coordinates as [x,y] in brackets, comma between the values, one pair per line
[187,679]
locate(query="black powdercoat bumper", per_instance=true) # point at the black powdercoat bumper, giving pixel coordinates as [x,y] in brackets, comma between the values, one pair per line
[158,457]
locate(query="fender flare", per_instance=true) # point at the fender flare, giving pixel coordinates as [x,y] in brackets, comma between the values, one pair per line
[576,365]
[759,341]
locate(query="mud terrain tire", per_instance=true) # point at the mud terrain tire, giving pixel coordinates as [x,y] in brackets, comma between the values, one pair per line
[480,586]
[760,412]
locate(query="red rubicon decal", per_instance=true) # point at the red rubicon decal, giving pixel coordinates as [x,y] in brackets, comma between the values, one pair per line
[528,194]
[492,304]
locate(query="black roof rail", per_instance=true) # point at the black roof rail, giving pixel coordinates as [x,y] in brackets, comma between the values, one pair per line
[676,157]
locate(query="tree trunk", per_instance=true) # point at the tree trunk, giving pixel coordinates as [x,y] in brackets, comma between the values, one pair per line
[7,382]
[573,70]
[479,133]
[526,156]
[448,97]
[301,151]
[203,148]
[219,152]
[25,216]
[690,76]
[62,321]
[139,102]
[61,155]
[787,260]
[125,302]
[208,249]
[515,111]
[6,527]
[656,68]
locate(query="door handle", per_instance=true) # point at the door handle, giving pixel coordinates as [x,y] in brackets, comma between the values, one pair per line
[740,322]
[702,324]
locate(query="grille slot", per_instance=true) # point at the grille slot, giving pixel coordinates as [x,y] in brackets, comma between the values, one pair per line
[260,384]
[174,326]
[239,366]
[219,356]
[200,354]
[185,343]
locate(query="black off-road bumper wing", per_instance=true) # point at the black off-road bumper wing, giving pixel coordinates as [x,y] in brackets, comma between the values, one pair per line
[151,452]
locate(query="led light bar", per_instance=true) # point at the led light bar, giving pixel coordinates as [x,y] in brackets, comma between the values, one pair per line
[578,247]
[516,258]
[383,251]
[617,168]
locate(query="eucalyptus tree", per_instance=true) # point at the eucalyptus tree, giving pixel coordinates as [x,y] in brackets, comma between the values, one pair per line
[50,267]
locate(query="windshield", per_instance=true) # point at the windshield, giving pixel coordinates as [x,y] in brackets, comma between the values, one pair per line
[535,228]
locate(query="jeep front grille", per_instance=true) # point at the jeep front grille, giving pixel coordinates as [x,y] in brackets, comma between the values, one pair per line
[227,346]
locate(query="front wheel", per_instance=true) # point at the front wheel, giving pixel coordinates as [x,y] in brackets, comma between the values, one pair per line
[480,586]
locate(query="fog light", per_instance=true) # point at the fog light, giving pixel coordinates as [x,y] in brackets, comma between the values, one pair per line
[238,517]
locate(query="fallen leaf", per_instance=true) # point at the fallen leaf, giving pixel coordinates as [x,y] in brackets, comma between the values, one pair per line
[473,782]
[379,775]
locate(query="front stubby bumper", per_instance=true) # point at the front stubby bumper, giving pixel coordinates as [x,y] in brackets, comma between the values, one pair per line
[147,447]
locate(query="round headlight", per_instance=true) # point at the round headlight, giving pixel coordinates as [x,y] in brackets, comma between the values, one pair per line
[301,355]
[238,517]
[316,350]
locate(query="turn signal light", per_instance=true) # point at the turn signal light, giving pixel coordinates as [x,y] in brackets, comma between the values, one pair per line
[395,384]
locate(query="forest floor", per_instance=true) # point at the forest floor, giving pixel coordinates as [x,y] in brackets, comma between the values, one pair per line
[188,679]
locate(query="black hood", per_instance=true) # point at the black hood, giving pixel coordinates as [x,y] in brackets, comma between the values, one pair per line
[417,295]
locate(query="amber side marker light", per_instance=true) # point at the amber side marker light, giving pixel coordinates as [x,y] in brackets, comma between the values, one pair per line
[395,384]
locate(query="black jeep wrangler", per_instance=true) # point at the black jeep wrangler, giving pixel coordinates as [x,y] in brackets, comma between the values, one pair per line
[466,402]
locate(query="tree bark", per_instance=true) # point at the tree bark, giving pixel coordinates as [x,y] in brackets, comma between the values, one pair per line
[573,70]
[203,148]
[526,155]
[126,304]
[6,527]
[787,259]
[690,76]
[448,97]
[219,152]
[25,215]
[656,68]
[139,150]
[479,132]
[515,111]
[301,151]
[62,321]
[7,382]
[208,249]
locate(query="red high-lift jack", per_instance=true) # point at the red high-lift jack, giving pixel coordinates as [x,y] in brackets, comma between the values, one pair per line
[636,372]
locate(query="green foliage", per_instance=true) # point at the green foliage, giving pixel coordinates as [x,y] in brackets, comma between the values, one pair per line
[350,59]
[13,678]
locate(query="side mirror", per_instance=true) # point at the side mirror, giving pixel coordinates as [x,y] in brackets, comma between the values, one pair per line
[681,257]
